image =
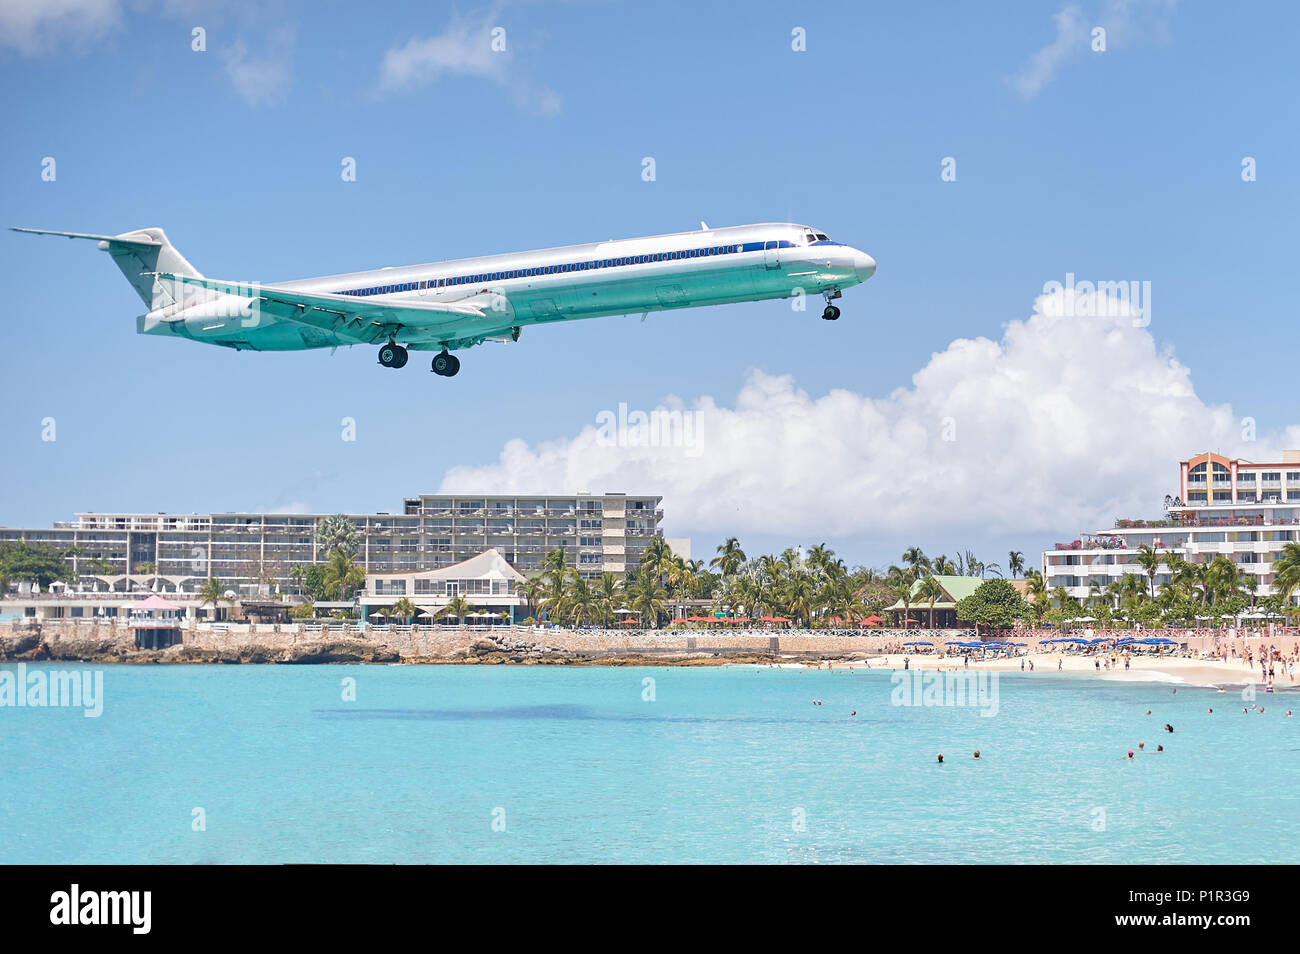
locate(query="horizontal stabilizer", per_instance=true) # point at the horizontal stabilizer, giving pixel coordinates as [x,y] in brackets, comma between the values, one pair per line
[129,239]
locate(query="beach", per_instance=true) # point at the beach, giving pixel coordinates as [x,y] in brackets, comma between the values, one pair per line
[1171,669]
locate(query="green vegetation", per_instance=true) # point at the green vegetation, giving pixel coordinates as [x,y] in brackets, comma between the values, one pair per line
[35,562]
[995,603]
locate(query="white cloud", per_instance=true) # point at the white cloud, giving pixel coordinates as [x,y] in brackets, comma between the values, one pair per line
[33,27]
[1126,22]
[263,79]
[465,48]
[1070,41]
[1060,426]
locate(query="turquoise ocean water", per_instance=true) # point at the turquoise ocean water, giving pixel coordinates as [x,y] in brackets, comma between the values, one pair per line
[576,765]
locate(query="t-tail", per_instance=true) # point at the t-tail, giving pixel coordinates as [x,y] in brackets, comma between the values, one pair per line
[141,255]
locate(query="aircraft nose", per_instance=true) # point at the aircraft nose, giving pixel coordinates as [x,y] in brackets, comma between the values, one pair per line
[864,265]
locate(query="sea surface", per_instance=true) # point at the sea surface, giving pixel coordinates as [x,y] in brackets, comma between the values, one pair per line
[271,764]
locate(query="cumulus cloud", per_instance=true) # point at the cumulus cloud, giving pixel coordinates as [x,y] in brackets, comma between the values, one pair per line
[1063,424]
[262,78]
[32,27]
[465,48]
[1126,22]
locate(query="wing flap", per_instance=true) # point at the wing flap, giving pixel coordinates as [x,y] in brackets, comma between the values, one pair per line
[356,318]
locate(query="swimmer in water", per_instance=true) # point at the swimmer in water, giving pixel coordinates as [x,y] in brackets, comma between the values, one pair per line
[1148,712]
[854,712]
[1160,748]
[1168,727]
[1129,757]
[940,758]
[977,754]
[1211,712]
[1141,746]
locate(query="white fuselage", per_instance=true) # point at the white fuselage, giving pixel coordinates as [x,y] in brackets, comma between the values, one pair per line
[627,276]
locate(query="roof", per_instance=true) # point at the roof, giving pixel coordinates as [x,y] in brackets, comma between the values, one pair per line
[488,565]
[955,588]
[154,603]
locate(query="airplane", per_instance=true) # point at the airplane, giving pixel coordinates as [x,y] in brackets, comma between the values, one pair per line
[452,305]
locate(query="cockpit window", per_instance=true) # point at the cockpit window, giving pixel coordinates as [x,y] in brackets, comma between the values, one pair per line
[822,238]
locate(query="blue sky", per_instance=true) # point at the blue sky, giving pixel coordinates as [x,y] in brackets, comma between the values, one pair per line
[1116,165]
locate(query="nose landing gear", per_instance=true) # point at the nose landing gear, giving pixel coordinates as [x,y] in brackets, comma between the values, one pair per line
[831,313]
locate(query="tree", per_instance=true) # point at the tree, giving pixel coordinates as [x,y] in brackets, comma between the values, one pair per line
[1015,563]
[646,596]
[405,609]
[730,557]
[1148,557]
[457,607]
[212,593]
[38,562]
[342,576]
[995,603]
[337,533]
[1286,568]
[929,591]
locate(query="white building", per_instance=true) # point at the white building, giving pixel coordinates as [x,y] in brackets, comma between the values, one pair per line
[487,582]
[253,554]
[1237,509]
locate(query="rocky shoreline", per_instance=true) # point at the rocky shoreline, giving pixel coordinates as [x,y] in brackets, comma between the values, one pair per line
[34,645]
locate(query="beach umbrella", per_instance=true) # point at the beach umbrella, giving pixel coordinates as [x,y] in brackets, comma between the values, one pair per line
[918,642]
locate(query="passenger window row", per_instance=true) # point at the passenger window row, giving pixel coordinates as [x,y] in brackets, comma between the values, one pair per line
[565,267]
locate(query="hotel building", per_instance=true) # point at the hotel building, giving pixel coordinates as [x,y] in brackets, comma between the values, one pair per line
[253,553]
[1238,509]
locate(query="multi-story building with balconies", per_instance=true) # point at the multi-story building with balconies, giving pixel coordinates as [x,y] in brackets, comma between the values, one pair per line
[1238,509]
[254,553]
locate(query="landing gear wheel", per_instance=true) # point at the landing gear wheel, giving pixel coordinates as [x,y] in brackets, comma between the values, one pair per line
[446,364]
[392,355]
[831,313]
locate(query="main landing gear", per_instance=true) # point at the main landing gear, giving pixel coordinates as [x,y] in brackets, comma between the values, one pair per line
[446,364]
[392,355]
[831,313]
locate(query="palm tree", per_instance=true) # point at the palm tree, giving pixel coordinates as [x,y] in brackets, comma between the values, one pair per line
[609,596]
[903,590]
[211,592]
[1149,558]
[929,591]
[1286,568]
[658,556]
[337,533]
[533,590]
[916,560]
[457,607]
[646,595]
[405,609]
[1015,562]
[342,575]
[730,557]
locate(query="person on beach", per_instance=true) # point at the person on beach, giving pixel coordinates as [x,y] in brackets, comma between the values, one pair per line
[1059,662]
[1031,665]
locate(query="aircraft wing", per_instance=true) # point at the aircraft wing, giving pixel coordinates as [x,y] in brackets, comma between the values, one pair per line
[363,319]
